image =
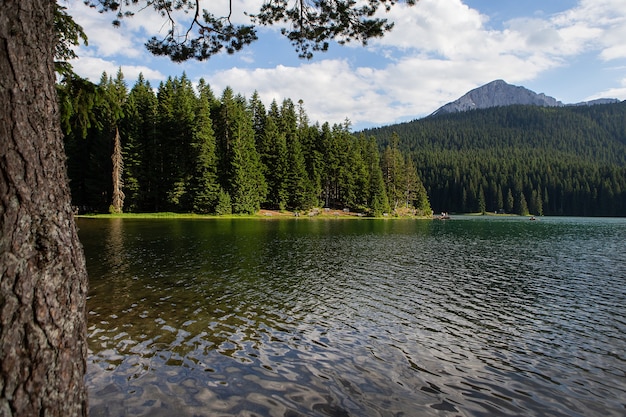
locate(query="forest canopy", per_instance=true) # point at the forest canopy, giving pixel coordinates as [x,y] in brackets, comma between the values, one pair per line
[181,148]
[520,159]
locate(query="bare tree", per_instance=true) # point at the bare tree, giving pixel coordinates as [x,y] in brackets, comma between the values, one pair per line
[117,202]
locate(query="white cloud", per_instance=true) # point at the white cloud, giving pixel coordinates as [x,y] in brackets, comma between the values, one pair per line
[445,50]
[438,50]
[92,69]
[445,27]
[333,89]
[323,86]
[104,39]
[598,25]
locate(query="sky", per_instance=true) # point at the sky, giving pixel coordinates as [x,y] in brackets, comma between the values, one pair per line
[572,50]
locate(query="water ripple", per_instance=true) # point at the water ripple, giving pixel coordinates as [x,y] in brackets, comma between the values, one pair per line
[464,318]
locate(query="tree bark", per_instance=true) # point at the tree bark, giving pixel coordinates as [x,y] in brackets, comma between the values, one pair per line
[117,203]
[43,279]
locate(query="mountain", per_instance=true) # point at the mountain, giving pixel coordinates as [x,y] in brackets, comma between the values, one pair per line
[499,93]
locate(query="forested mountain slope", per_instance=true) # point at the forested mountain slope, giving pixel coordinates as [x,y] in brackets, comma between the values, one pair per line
[542,160]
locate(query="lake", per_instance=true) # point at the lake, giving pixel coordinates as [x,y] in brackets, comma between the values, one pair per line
[474,316]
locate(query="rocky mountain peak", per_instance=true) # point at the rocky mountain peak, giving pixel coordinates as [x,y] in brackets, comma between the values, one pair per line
[497,93]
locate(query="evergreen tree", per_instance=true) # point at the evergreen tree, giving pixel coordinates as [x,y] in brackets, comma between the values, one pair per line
[499,200]
[258,115]
[224,113]
[115,93]
[224,203]
[273,152]
[105,156]
[78,99]
[394,173]
[536,205]
[482,204]
[308,137]
[166,161]
[355,174]
[142,148]
[378,201]
[416,194]
[245,181]
[521,206]
[298,187]
[181,163]
[204,188]
[510,202]
[330,166]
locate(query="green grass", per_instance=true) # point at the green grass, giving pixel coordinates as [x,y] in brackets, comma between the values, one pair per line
[161,215]
[276,215]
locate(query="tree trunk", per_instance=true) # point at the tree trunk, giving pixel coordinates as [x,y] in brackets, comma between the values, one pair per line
[117,203]
[43,280]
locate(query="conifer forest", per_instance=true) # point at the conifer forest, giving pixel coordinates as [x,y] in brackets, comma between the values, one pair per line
[563,161]
[181,148]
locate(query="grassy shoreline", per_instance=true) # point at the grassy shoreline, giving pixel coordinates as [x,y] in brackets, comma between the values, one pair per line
[275,214]
[262,214]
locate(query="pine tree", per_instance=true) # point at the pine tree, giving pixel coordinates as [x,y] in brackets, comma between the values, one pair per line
[79,99]
[116,93]
[224,203]
[223,114]
[142,148]
[394,173]
[509,203]
[359,173]
[378,201]
[117,199]
[416,195]
[521,206]
[245,181]
[106,159]
[299,190]
[43,279]
[204,188]
[273,152]
[329,166]
[258,115]
[482,204]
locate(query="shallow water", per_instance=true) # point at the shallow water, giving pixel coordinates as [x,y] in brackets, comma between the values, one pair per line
[300,317]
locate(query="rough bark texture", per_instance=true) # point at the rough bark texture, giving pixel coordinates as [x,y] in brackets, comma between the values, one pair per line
[117,203]
[43,280]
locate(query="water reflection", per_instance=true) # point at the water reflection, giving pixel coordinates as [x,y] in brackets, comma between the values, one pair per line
[360,318]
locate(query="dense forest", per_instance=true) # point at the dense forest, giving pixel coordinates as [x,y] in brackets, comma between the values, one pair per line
[520,159]
[181,148]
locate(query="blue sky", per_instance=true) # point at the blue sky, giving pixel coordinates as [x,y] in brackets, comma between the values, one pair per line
[573,50]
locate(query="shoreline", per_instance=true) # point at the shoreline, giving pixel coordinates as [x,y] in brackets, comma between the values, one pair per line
[261,214]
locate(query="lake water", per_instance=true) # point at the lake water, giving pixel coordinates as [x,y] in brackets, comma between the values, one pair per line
[474,316]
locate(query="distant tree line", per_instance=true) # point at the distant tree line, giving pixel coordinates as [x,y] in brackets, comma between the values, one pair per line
[181,148]
[520,159]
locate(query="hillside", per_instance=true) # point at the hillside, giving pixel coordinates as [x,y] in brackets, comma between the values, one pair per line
[543,160]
